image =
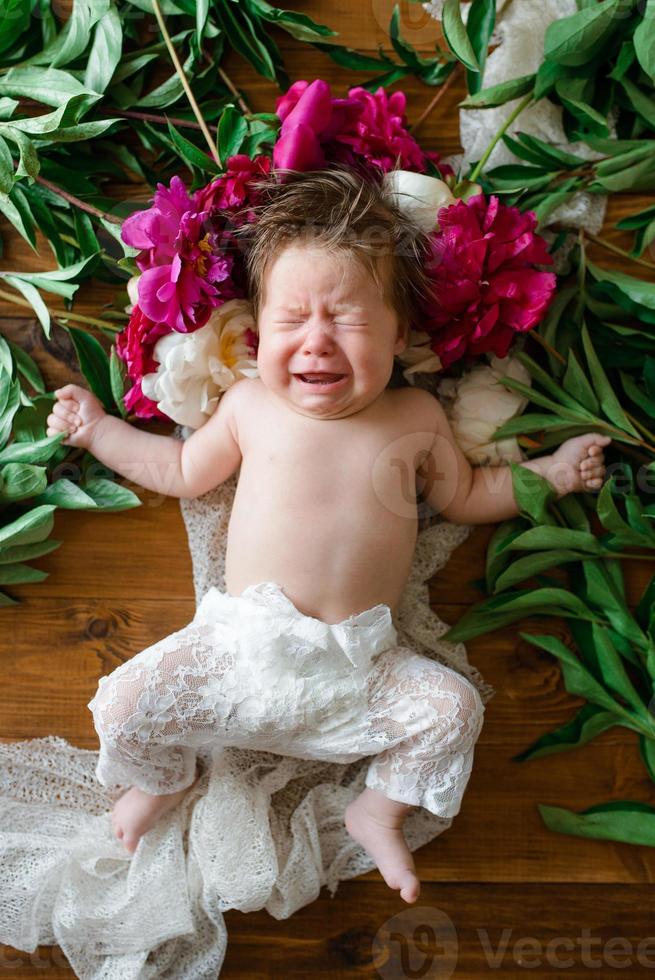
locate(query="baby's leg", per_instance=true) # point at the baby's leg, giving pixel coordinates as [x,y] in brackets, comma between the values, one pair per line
[151,714]
[427,718]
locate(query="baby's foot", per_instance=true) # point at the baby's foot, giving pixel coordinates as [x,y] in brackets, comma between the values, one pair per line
[379,830]
[136,812]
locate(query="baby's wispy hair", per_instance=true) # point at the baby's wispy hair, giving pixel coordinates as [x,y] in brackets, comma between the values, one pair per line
[344,212]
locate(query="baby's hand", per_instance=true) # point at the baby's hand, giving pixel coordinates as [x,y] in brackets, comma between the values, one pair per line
[76,411]
[578,464]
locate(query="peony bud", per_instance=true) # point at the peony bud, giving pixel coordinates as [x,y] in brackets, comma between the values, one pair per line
[418,196]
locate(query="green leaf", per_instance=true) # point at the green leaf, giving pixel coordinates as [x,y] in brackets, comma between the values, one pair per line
[10,403]
[622,820]
[33,296]
[191,153]
[37,451]
[49,86]
[533,494]
[568,92]
[27,551]
[14,19]
[27,367]
[28,165]
[576,39]
[67,495]
[532,565]
[644,40]
[501,610]
[537,538]
[94,364]
[587,723]
[499,94]
[7,177]
[637,296]
[562,395]
[637,395]
[35,525]
[232,129]
[13,574]
[20,480]
[117,375]
[608,400]
[577,678]
[643,104]
[105,53]
[456,37]
[576,383]
[17,211]
[109,496]
[479,27]
[300,26]
[613,671]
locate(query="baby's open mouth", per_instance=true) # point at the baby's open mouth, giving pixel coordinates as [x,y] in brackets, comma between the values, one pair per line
[320,378]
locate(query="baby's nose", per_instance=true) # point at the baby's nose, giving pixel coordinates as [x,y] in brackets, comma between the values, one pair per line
[318,340]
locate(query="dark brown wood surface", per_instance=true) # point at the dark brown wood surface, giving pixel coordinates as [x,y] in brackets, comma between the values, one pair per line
[500,891]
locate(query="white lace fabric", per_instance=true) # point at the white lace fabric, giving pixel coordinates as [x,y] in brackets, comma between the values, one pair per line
[252,671]
[259,830]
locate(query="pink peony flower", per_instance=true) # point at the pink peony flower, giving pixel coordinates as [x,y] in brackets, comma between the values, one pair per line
[232,189]
[486,288]
[179,261]
[366,129]
[135,345]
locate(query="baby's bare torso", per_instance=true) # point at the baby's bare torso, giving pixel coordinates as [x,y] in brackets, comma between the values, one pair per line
[327,507]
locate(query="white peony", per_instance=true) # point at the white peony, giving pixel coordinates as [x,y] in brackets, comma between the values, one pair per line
[477,404]
[418,355]
[418,196]
[194,368]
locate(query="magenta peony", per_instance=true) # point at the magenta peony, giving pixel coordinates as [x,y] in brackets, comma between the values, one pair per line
[367,129]
[486,288]
[232,189]
[135,345]
[179,260]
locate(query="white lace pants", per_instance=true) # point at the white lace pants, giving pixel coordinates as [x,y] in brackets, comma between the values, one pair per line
[253,671]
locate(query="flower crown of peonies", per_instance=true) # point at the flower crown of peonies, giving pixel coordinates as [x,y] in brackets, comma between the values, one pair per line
[191,332]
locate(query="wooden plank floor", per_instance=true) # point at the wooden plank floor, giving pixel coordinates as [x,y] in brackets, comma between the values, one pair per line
[500,891]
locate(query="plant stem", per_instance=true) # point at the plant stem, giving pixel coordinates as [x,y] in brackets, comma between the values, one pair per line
[152,117]
[60,314]
[618,251]
[639,425]
[227,81]
[546,346]
[145,116]
[436,98]
[185,84]
[621,554]
[89,208]
[525,101]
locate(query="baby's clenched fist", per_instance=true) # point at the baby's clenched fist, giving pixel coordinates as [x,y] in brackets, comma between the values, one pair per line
[579,464]
[76,411]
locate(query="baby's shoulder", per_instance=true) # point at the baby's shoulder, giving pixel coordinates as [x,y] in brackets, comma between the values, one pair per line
[420,405]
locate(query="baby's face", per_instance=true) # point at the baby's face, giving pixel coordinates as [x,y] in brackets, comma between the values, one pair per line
[324,313]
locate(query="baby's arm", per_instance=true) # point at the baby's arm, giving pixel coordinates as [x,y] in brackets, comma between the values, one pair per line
[484,494]
[159,463]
